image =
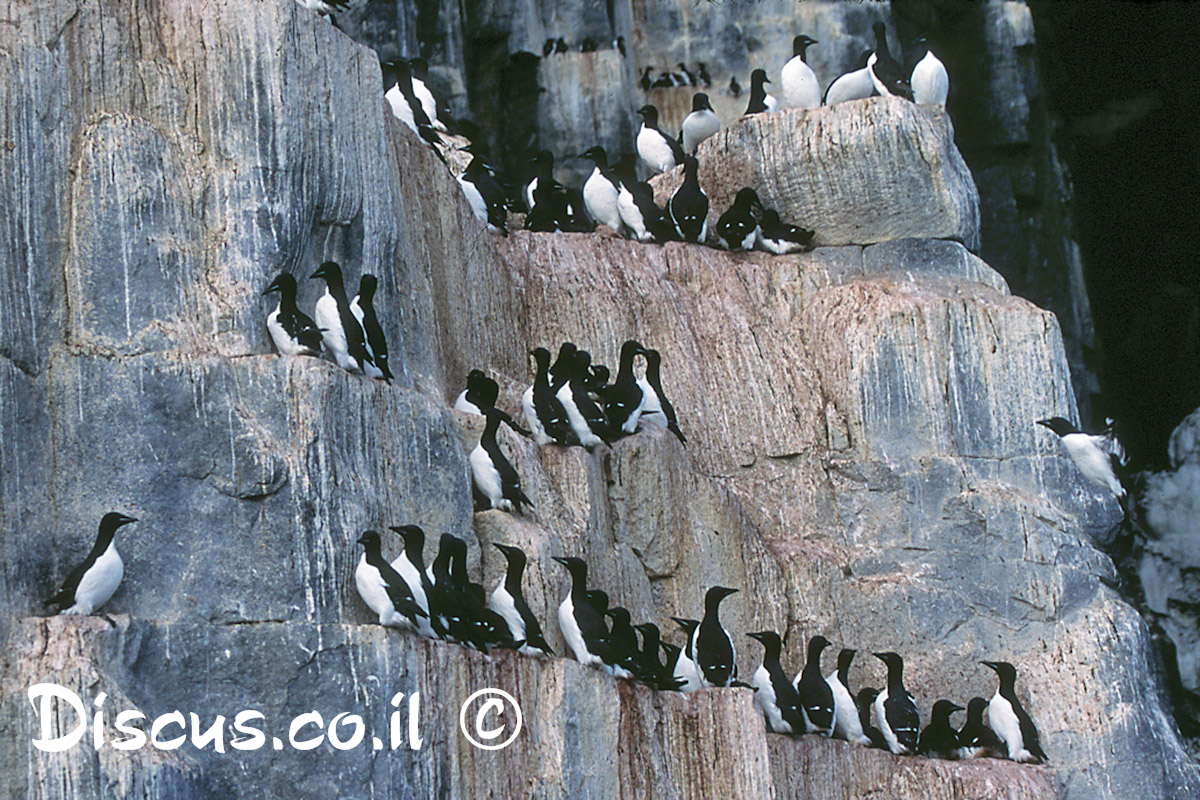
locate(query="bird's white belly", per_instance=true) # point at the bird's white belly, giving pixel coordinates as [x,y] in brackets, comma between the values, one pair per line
[99,583]
[327,318]
[800,86]
[1003,720]
[764,698]
[654,150]
[487,478]
[502,603]
[461,403]
[600,199]
[284,344]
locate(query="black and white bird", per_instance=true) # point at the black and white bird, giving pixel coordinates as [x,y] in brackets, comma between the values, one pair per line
[798,84]
[551,211]
[625,400]
[658,408]
[479,626]
[493,478]
[485,196]
[410,566]
[713,648]
[382,588]
[560,370]
[586,419]
[406,107]
[846,722]
[543,166]
[775,697]
[92,583]
[481,393]
[293,332]
[600,191]
[976,739]
[324,7]
[363,308]
[700,124]
[816,696]
[688,207]
[623,643]
[684,669]
[341,331]
[894,712]
[582,626]
[651,670]
[760,101]
[635,202]
[779,237]
[940,739]
[854,85]
[419,71]
[929,81]
[1097,456]
[508,600]
[659,152]
[865,701]
[1008,718]
[544,413]
[886,73]
[738,227]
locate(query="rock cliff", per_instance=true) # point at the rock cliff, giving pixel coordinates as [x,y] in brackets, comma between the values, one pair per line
[861,461]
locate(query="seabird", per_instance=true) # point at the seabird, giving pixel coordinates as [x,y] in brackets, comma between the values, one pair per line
[600,191]
[419,71]
[382,588]
[698,125]
[92,583]
[584,416]
[939,739]
[548,47]
[894,712]
[886,73]
[481,393]
[1007,717]
[760,101]
[846,721]
[688,207]
[714,652]
[494,479]
[774,696]
[551,210]
[1093,454]
[544,413]
[588,45]
[702,74]
[929,81]
[854,85]
[363,308]
[688,78]
[735,88]
[650,668]
[816,696]
[976,739]
[645,81]
[543,164]
[737,228]
[560,370]
[865,701]
[625,399]
[293,332]
[798,84]
[480,626]
[410,566]
[406,107]
[560,45]
[623,643]
[684,670]
[324,7]
[658,151]
[508,600]
[341,331]
[658,408]
[635,202]
[485,196]
[781,238]
[582,626]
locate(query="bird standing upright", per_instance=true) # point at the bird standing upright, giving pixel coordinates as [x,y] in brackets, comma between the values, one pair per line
[699,125]
[799,87]
[816,697]
[508,600]
[493,478]
[292,331]
[773,694]
[760,101]
[1008,718]
[341,332]
[929,81]
[688,207]
[363,309]
[659,152]
[714,651]
[894,712]
[93,582]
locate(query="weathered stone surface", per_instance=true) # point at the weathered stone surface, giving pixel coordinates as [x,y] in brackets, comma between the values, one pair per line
[857,173]
[861,462]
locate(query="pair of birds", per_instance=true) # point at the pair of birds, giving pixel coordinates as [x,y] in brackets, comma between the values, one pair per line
[348,330]
[748,225]
[888,719]
[706,660]
[439,601]
[411,101]
[924,80]
[570,402]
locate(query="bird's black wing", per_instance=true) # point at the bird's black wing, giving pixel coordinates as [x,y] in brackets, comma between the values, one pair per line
[902,718]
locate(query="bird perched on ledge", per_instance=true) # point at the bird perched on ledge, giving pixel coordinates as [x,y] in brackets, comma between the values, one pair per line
[92,583]
[1097,456]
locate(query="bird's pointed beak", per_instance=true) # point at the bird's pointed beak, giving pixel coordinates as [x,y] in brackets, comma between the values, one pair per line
[560,560]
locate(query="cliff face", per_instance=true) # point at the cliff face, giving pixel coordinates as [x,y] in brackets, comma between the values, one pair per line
[861,461]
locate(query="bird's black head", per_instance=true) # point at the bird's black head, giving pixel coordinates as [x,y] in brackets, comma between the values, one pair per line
[880,36]
[647,628]
[770,639]
[890,658]
[976,707]
[714,596]
[846,656]
[688,625]
[690,165]
[419,67]
[403,70]
[113,520]
[596,155]
[866,696]
[942,709]
[1059,425]
[758,77]
[514,555]
[541,356]
[1006,671]
[770,218]
[747,198]
[649,115]
[599,599]
[700,102]
[284,282]
[631,348]
[801,43]
[542,158]
[413,536]
[369,539]
[388,71]
[366,287]
[576,566]
[619,616]
[330,271]
[817,644]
